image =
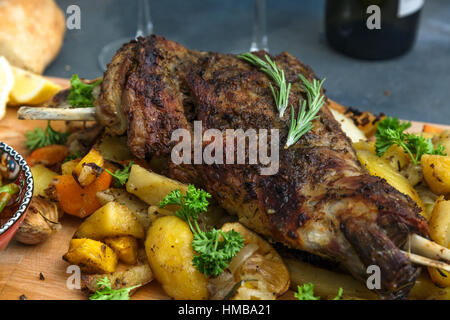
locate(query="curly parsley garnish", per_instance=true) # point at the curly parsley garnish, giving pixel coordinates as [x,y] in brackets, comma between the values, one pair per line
[81,95]
[105,292]
[391,132]
[306,292]
[39,137]
[121,176]
[215,249]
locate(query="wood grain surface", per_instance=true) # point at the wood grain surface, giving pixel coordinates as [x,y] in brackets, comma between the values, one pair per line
[21,265]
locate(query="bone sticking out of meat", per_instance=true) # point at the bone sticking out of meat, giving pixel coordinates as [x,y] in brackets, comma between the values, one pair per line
[63,114]
[429,249]
[321,200]
[427,262]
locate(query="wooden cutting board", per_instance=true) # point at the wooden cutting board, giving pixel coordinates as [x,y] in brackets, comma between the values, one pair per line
[21,265]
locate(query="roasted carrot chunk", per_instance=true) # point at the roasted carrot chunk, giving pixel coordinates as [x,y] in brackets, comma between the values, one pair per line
[431,129]
[48,156]
[76,200]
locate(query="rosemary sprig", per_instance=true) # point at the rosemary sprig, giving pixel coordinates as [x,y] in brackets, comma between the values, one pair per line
[269,67]
[303,123]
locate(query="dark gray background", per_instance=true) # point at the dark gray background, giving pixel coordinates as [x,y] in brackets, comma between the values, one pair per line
[419,83]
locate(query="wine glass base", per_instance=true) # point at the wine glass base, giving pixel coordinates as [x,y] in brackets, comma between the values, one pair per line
[108,52]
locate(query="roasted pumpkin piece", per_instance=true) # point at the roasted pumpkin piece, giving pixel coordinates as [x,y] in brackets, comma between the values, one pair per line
[126,248]
[88,169]
[91,256]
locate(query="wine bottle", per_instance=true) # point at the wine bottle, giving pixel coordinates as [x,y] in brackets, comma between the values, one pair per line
[372,29]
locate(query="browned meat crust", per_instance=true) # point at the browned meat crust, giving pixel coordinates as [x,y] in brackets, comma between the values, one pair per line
[320,201]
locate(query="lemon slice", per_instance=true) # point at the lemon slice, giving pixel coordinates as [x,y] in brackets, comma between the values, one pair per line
[30,88]
[6,84]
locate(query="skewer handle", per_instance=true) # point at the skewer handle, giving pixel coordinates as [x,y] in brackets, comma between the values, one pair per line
[61,114]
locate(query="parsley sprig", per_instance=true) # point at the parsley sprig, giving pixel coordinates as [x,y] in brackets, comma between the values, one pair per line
[281,95]
[39,137]
[81,95]
[391,131]
[105,292]
[121,176]
[215,249]
[303,123]
[306,292]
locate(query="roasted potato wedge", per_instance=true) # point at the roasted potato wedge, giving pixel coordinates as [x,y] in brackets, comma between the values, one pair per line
[436,171]
[91,256]
[42,179]
[440,233]
[381,168]
[169,251]
[133,276]
[111,220]
[126,248]
[68,167]
[137,206]
[151,187]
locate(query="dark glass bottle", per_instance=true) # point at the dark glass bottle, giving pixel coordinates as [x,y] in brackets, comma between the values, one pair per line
[372,29]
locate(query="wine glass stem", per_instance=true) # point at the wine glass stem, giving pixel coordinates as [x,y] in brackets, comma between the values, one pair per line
[259,39]
[144,21]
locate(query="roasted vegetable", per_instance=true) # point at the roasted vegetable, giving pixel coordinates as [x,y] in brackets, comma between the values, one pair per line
[133,276]
[91,256]
[40,222]
[48,155]
[151,187]
[258,270]
[125,247]
[137,206]
[170,254]
[440,233]
[68,167]
[348,126]
[111,220]
[436,172]
[89,168]
[42,177]
[79,201]
[381,168]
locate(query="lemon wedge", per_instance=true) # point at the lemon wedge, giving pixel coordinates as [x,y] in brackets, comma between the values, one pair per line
[6,84]
[30,88]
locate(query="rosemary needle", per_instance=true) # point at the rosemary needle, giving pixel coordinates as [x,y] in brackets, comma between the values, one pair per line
[281,95]
[303,123]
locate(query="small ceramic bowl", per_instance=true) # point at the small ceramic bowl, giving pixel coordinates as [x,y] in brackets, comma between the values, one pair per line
[20,174]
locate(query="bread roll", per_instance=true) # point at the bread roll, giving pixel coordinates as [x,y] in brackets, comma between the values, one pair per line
[31,32]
